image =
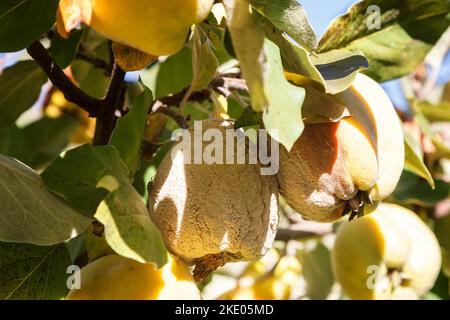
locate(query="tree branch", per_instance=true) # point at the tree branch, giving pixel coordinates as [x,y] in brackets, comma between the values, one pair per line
[223,84]
[176,116]
[59,79]
[303,231]
[106,119]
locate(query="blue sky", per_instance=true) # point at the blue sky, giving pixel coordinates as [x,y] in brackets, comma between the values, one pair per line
[322,12]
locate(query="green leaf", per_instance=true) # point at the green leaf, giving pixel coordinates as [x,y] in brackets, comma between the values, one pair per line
[413,190]
[94,179]
[62,50]
[94,81]
[174,74]
[128,134]
[30,272]
[290,17]
[96,245]
[434,113]
[321,108]
[335,70]
[431,296]
[442,287]
[30,212]
[49,137]
[77,246]
[387,55]
[316,263]
[248,118]
[442,230]
[414,159]
[14,143]
[148,169]
[442,149]
[75,175]
[39,142]
[260,60]
[413,24]
[128,228]
[283,112]
[204,61]
[248,42]
[24,21]
[20,87]
[339,68]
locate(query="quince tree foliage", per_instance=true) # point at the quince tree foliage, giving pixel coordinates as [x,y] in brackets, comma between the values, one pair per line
[93,91]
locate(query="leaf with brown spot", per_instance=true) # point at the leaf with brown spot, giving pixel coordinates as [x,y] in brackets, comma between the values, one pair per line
[131,59]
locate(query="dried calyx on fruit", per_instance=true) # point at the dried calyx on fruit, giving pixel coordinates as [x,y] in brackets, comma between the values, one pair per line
[338,167]
[157,27]
[210,214]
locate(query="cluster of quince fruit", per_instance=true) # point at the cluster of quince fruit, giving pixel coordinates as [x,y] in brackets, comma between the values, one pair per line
[353,165]
[335,167]
[274,277]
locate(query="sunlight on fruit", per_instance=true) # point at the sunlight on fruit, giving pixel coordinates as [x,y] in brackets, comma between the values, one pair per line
[156,27]
[117,278]
[388,254]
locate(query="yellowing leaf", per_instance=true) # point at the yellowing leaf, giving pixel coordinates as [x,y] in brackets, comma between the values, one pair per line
[220,106]
[414,159]
[131,59]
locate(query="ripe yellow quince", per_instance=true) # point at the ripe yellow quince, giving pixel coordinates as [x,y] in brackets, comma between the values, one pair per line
[274,285]
[157,27]
[389,254]
[58,107]
[114,277]
[334,162]
[268,288]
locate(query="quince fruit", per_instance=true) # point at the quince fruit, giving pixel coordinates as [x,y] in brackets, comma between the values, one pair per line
[156,27]
[388,254]
[115,277]
[335,166]
[213,213]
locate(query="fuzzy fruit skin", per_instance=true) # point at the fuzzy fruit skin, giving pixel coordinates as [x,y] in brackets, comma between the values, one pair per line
[331,162]
[214,209]
[391,238]
[367,95]
[115,277]
[315,177]
[153,26]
